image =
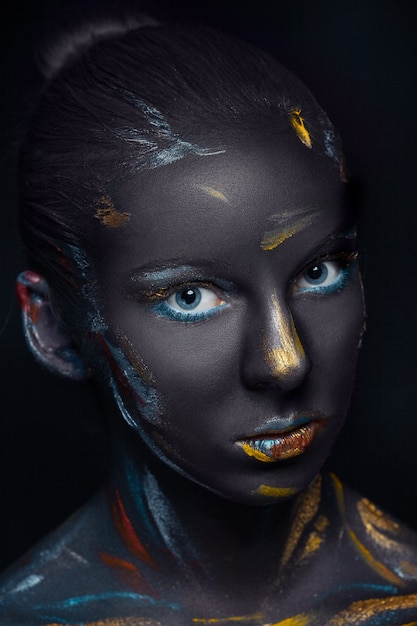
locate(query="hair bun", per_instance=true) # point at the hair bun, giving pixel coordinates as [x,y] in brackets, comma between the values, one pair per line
[69,42]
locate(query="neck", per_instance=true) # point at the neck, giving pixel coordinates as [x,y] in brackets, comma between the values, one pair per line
[169,522]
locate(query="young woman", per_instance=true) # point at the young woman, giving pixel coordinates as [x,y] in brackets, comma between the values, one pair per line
[192,246]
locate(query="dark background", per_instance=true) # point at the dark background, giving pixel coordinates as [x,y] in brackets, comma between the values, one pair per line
[359,59]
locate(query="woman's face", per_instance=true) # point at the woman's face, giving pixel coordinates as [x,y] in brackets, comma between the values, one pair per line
[234,313]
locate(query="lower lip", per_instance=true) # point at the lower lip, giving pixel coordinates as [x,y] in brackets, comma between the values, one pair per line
[273,447]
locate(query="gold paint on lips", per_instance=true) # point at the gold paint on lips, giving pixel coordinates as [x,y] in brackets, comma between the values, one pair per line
[285,445]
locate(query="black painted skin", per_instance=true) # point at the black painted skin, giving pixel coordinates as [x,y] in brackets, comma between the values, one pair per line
[179,535]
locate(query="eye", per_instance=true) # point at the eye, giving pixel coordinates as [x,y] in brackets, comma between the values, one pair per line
[190,304]
[194,299]
[323,277]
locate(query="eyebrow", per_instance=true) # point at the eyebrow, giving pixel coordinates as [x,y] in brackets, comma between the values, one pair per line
[177,270]
[287,227]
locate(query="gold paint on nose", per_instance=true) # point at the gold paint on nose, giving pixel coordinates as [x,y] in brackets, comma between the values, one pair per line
[288,356]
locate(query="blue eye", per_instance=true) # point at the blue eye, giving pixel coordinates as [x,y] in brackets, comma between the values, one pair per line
[324,277]
[190,304]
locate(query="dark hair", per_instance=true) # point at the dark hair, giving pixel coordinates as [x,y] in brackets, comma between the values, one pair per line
[124,99]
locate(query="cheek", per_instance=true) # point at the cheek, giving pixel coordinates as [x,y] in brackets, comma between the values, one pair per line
[331,330]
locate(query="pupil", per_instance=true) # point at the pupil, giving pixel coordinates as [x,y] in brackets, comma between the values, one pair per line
[315,272]
[189,296]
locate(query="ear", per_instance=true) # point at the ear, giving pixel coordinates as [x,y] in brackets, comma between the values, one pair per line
[50,345]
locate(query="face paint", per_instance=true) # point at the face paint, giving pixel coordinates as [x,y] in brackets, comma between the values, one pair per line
[241,346]
[275,238]
[297,122]
[109,216]
[215,193]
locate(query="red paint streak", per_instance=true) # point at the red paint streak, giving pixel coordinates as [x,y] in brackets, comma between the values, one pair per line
[128,574]
[115,561]
[121,377]
[24,297]
[126,530]
[34,312]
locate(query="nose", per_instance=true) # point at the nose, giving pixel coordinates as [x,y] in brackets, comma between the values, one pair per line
[274,354]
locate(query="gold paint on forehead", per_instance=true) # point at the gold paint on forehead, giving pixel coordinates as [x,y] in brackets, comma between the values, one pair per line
[297,122]
[275,238]
[307,507]
[214,193]
[287,357]
[108,214]
[274,492]
[363,610]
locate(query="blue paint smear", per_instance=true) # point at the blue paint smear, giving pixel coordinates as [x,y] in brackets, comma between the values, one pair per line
[77,601]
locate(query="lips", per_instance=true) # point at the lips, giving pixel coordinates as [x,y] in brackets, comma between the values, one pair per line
[278,445]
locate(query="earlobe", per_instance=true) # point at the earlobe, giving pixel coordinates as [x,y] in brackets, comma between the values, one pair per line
[50,345]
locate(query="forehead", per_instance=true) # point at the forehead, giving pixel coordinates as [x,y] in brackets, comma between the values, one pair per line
[256,186]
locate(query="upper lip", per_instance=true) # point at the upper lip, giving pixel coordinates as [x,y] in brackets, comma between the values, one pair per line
[279,426]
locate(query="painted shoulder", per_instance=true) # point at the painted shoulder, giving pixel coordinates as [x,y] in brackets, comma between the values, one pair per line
[383,544]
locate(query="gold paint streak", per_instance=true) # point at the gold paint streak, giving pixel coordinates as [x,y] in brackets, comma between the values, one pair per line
[321,523]
[367,556]
[109,216]
[307,507]
[408,568]
[220,620]
[410,624]
[363,610]
[372,516]
[273,239]
[302,619]
[260,456]
[297,122]
[274,492]
[214,193]
[117,621]
[287,357]
[316,537]
[313,544]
